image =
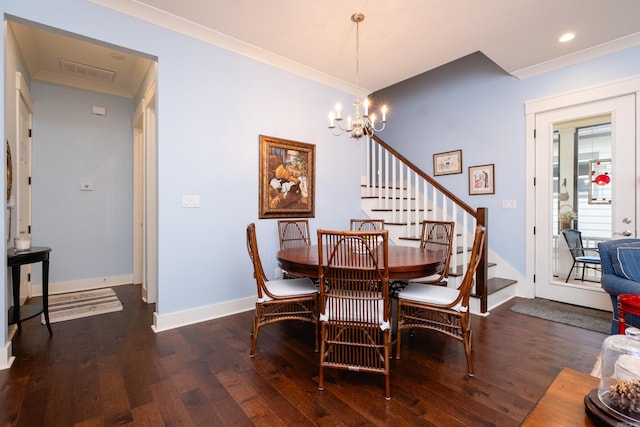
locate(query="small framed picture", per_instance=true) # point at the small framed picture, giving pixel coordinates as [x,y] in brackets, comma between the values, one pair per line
[447,163]
[481,180]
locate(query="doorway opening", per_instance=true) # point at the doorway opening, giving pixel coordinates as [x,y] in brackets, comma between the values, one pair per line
[581,161]
[54,56]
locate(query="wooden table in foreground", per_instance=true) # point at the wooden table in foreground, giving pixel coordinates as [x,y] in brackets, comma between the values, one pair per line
[404,262]
[563,402]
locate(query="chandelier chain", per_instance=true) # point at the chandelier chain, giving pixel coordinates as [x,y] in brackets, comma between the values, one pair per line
[357,59]
[360,124]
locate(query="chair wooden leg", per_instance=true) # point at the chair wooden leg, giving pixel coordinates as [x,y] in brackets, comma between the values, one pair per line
[255,329]
[387,375]
[322,352]
[254,337]
[316,326]
[398,335]
[467,349]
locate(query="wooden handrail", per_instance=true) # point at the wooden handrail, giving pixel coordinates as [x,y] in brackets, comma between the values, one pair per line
[428,178]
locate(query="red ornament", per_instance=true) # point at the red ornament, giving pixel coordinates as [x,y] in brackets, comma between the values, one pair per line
[602,179]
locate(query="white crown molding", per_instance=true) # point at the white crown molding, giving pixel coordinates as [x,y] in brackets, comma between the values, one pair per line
[166,20]
[577,57]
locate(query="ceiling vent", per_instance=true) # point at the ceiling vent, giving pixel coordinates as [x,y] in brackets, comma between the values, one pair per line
[86,71]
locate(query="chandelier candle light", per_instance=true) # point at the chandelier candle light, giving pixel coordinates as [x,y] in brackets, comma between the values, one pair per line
[358,125]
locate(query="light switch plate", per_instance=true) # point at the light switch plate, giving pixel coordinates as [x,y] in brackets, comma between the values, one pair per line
[190,201]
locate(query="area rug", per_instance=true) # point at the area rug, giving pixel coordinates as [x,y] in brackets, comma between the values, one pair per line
[82,304]
[582,317]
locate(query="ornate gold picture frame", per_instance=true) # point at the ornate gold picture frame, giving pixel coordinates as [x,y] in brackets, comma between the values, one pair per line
[287,178]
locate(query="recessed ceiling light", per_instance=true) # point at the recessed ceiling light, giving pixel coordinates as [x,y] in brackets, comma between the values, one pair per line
[117,56]
[566,37]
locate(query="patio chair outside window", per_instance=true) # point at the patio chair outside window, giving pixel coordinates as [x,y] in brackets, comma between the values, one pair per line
[579,253]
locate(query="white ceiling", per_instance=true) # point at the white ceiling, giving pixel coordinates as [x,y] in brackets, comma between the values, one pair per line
[398,38]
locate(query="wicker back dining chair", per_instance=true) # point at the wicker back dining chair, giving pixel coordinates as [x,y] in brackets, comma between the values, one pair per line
[293,233]
[366,224]
[587,257]
[437,236]
[279,300]
[441,308]
[354,302]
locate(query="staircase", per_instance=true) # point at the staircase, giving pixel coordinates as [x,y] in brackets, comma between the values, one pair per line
[397,191]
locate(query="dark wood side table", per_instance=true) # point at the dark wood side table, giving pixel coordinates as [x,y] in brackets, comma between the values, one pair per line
[15,259]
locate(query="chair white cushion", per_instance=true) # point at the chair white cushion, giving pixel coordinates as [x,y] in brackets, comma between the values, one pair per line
[352,309]
[289,288]
[439,295]
[591,259]
[425,279]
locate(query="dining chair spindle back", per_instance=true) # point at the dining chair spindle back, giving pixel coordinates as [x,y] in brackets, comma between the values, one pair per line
[293,233]
[366,224]
[281,299]
[437,236]
[354,302]
[440,308]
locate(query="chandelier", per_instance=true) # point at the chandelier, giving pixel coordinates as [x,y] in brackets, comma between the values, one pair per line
[360,124]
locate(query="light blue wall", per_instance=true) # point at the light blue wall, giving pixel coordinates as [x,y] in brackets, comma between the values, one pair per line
[473,105]
[212,107]
[91,231]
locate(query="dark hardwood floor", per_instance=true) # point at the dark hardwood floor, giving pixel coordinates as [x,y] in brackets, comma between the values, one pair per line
[112,369]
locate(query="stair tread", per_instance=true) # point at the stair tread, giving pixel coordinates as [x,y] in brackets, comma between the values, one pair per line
[459,270]
[497,283]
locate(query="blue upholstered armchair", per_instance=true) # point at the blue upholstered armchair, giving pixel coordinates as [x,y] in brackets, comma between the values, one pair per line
[620,273]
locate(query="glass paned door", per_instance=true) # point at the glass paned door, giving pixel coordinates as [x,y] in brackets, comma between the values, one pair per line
[585,181]
[582,152]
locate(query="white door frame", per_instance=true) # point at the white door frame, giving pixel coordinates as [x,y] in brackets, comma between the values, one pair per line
[145,254]
[21,203]
[628,86]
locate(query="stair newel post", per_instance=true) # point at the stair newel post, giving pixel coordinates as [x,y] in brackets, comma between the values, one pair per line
[482,273]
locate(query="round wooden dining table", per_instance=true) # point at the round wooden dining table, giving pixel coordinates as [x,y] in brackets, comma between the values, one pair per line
[404,262]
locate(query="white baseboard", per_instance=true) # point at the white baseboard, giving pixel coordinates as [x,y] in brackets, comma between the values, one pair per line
[6,359]
[168,321]
[82,284]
